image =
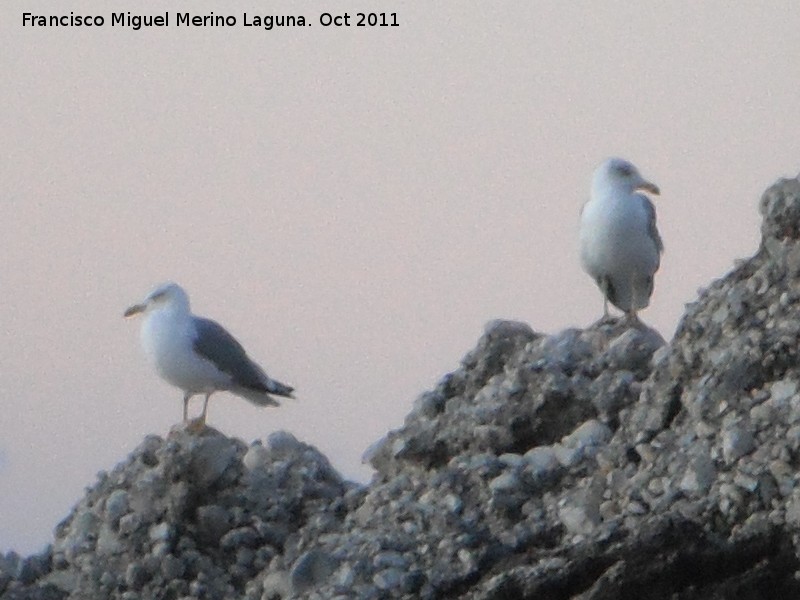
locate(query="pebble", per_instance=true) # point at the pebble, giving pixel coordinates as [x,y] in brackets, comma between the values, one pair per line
[736,442]
[590,433]
[116,506]
[505,483]
[699,475]
[388,579]
[310,570]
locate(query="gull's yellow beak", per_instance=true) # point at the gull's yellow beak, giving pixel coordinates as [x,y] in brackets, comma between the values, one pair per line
[134,310]
[649,187]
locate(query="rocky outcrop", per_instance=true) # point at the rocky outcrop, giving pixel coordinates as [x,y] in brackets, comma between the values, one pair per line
[193,515]
[590,464]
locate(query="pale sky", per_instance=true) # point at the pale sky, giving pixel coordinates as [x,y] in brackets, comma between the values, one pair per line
[353,204]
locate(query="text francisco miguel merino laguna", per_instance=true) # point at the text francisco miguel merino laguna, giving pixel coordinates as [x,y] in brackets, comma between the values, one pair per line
[126,19]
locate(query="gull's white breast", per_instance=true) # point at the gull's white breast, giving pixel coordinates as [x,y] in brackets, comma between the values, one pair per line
[167,339]
[615,237]
[616,244]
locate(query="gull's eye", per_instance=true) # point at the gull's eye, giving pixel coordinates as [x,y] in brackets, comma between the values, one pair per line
[625,170]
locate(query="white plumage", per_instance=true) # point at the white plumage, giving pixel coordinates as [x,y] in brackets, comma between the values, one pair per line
[198,355]
[620,245]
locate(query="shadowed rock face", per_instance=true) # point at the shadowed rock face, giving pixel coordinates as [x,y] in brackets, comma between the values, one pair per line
[590,464]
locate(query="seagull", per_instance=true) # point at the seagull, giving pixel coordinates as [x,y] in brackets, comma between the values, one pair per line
[198,355]
[620,245]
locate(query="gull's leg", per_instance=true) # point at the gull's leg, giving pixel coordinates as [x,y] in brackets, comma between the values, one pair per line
[197,424]
[633,318]
[203,414]
[186,397]
[604,289]
[605,285]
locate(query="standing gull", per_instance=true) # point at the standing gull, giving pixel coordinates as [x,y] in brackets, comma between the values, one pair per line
[620,245]
[198,355]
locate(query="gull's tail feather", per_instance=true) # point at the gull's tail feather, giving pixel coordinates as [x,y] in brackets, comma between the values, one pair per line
[261,396]
[257,397]
[279,389]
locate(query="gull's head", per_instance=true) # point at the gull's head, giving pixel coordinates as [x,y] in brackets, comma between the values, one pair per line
[619,174]
[166,296]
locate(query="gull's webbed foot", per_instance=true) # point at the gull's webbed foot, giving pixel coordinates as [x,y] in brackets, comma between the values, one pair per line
[196,425]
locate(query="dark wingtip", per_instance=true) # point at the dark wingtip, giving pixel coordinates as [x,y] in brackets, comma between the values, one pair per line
[280,389]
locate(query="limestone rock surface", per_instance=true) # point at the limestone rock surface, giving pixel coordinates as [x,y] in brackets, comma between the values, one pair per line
[593,464]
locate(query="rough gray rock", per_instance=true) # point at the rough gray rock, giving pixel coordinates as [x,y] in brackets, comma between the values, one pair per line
[184,517]
[589,464]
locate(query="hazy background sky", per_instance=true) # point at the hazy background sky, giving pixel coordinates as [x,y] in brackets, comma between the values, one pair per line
[353,204]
